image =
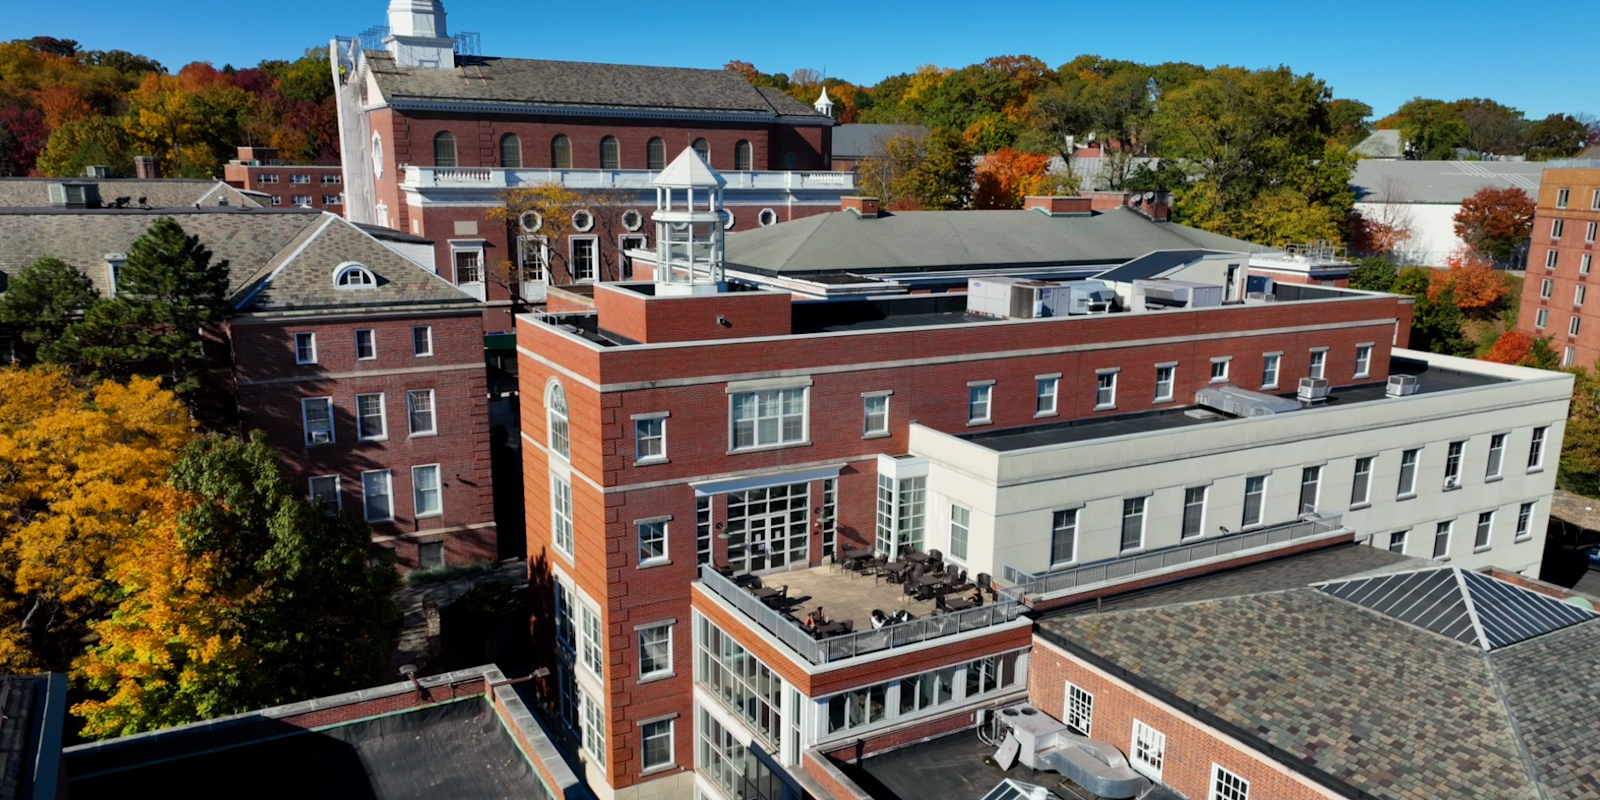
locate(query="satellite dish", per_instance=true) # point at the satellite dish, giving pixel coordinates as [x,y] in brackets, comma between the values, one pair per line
[530,222]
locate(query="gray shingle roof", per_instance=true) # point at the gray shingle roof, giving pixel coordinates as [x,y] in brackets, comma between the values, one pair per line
[302,275]
[534,83]
[934,240]
[861,141]
[1365,698]
[164,193]
[1447,182]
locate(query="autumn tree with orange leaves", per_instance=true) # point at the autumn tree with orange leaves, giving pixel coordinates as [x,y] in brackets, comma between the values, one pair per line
[1523,350]
[1471,279]
[1007,176]
[1494,222]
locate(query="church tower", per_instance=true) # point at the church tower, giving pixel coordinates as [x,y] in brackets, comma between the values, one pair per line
[417,35]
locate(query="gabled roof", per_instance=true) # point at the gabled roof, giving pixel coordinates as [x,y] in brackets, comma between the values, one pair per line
[160,193]
[689,170]
[578,87]
[301,276]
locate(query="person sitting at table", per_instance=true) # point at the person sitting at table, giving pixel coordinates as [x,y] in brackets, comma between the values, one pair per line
[902,616]
[816,618]
[976,598]
[879,619]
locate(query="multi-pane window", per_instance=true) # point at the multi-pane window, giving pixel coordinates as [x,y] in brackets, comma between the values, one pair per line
[702,148]
[591,644]
[747,687]
[1408,473]
[561,152]
[370,417]
[655,153]
[305,348]
[333,199]
[1044,396]
[1363,360]
[1361,484]
[656,740]
[1149,750]
[1269,370]
[702,528]
[1319,361]
[1064,537]
[325,490]
[1541,318]
[1255,489]
[770,527]
[1524,522]
[1561,198]
[1557,227]
[1546,288]
[1219,369]
[1497,451]
[978,400]
[594,729]
[376,496]
[650,439]
[769,417]
[1227,786]
[1551,258]
[422,340]
[430,555]
[1133,523]
[1573,324]
[610,153]
[655,651]
[511,151]
[556,408]
[317,415]
[1441,539]
[875,414]
[1080,710]
[1397,542]
[1194,510]
[444,150]
[419,412]
[960,529]
[652,541]
[830,515]
[583,259]
[425,492]
[1105,390]
[1568,355]
[743,155]
[1310,486]
[1164,376]
[927,690]
[1452,465]
[1480,539]
[469,266]
[366,344]
[1536,449]
[561,514]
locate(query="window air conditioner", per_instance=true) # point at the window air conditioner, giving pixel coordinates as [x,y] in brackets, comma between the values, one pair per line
[1452,482]
[321,437]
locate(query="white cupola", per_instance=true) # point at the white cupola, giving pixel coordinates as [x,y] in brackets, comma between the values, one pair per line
[417,35]
[689,226]
[824,104]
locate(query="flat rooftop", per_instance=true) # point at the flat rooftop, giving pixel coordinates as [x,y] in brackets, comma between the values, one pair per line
[1430,380]
[846,595]
[959,765]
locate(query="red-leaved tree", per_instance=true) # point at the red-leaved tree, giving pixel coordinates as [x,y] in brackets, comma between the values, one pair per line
[1494,222]
[1472,278]
[1007,176]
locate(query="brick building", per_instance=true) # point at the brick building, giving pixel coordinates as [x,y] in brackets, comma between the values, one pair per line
[688,436]
[432,137]
[1560,260]
[364,369]
[318,186]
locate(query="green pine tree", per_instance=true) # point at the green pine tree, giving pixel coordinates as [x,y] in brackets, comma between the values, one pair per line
[41,303]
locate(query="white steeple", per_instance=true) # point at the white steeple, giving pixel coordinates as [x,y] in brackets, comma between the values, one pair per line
[417,34]
[824,105]
[689,226]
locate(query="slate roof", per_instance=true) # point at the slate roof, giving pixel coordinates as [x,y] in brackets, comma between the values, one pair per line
[1364,698]
[579,86]
[861,141]
[301,275]
[1447,182]
[906,241]
[162,193]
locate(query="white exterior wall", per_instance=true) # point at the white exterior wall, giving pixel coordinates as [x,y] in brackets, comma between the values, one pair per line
[1013,495]
[1433,231]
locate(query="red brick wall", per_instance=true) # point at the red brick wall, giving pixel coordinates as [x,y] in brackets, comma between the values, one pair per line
[1570,248]
[271,387]
[246,177]
[652,320]
[1191,748]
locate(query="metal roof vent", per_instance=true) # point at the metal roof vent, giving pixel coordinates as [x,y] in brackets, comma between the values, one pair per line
[74,194]
[1242,402]
[1401,385]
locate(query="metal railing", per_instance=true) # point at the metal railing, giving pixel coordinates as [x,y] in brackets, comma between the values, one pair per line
[1120,569]
[624,179]
[836,648]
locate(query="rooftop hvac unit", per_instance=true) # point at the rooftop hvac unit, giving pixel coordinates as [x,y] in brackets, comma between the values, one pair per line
[1313,390]
[1242,402]
[1025,734]
[1263,297]
[1401,385]
[1176,294]
[1012,298]
[74,195]
[1088,297]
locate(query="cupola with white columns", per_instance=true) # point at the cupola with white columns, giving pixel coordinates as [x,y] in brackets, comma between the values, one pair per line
[417,35]
[824,104]
[689,227]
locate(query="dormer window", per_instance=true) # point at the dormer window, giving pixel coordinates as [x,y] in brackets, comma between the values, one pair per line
[351,275]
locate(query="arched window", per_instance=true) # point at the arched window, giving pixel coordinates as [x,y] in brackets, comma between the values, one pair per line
[556,405]
[743,154]
[510,151]
[444,150]
[656,154]
[561,152]
[610,156]
[351,275]
[702,147]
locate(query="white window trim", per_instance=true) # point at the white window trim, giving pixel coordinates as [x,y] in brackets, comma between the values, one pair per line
[1370,346]
[1055,395]
[313,336]
[1112,371]
[383,417]
[1066,711]
[666,541]
[305,423]
[671,670]
[433,414]
[988,406]
[572,258]
[572,536]
[887,396]
[388,479]
[439,472]
[1143,767]
[1050,544]
[637,418]
[458,246]
[805,420]
[672,743]
[374,336]
[338,490]
[1227,367]
[1172,385]
[414,329]
[1277,369]
[1216,774]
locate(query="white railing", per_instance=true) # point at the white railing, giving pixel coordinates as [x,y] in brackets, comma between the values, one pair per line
[1124,569]
[625,179]
[836,648]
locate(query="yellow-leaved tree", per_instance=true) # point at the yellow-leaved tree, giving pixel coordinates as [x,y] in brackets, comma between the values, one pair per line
[79,467]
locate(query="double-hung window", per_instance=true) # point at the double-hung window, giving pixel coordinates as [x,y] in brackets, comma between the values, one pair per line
[1194,511]
[769,418]
[980,398]
[561,514]
[1219,369]
[1480,540]
[556,420]
[1452,465]
[1573,325]
[1319,362]
[1255,489]
[1552,258]
[305,348]
[1363,360]
[1579,294]
[1562,196]
[1546,288]
[377,495]
[1227,786]
[426,493]
[1397,542]
[422,341]
[1133,523]
[1541,318]
[1557,227]
[1044,395]
[366,344]
[1408,474]
[591,645]
[583,259]
[960,530]
[1536,449]
[1524,522]
[652,542]
[370,422]
[1064,537]
[1497,451]
[1310,487]
[1105,389]
[650,438]
[656,738]
[1589,233]
[594,729]
[1441,539]
[325,490]
[419,412]
[1361,484]
[1164,380]
[655,651]
[317,416]
[1269,370]
[875,414]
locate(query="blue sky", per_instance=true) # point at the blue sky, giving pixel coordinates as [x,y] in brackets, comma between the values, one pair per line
[1382,53]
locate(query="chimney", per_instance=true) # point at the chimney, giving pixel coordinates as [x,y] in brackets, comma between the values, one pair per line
[864,207]
[1057,206]
[146,168]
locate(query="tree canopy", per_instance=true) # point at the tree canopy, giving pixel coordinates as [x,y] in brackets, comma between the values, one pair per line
[1494,222]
